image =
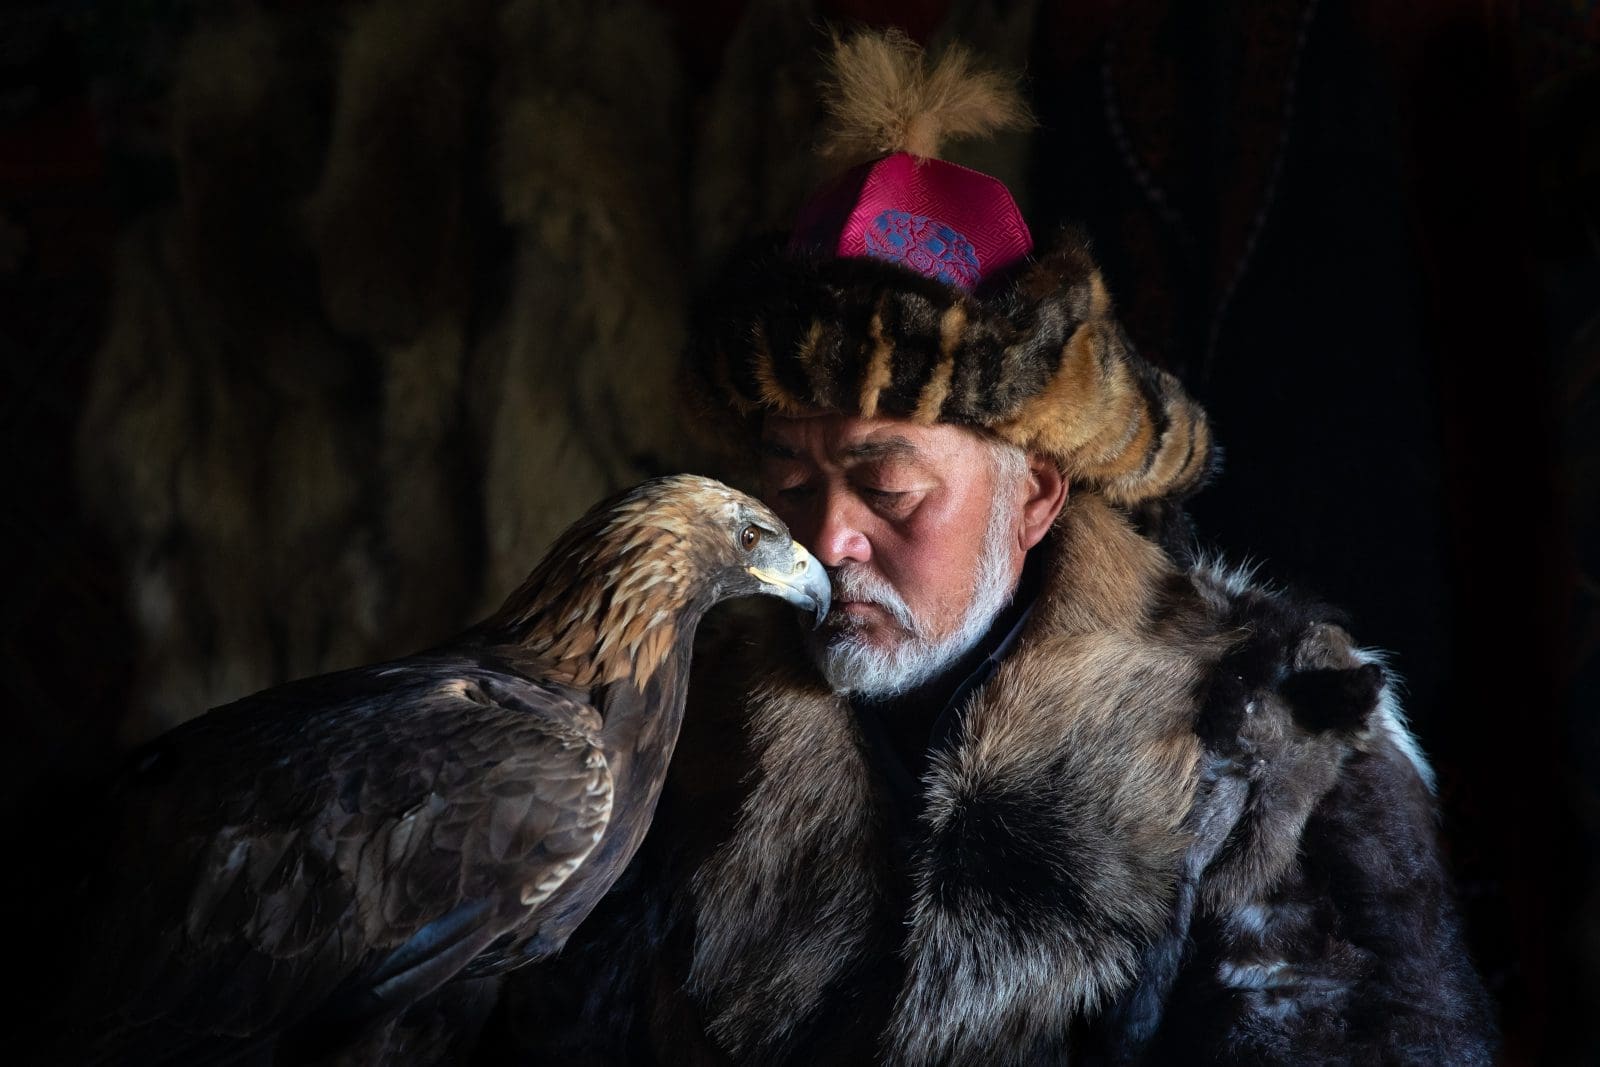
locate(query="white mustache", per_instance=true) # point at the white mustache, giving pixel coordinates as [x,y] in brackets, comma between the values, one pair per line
[856,583]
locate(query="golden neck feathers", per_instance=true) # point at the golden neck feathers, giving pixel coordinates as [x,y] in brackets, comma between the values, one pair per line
[613,594]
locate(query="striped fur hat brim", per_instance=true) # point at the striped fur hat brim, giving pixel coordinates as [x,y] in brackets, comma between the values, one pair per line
[1041,363]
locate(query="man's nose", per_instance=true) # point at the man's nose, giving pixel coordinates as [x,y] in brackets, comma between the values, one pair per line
[837,536]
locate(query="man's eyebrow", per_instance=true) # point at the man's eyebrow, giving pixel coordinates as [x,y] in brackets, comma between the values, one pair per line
[893,447]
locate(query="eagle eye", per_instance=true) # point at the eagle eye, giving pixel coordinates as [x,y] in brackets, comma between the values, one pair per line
[750,537]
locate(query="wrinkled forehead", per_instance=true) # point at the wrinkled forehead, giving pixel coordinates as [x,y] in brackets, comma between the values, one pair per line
[841,439]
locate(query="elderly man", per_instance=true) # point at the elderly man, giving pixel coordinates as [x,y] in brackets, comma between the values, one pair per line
[1043,788]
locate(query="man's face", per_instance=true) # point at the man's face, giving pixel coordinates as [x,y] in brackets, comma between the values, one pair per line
[915,527]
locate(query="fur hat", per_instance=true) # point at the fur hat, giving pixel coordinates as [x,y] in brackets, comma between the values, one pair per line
[881,304]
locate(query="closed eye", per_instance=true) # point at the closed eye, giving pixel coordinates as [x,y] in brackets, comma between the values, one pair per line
[890,503]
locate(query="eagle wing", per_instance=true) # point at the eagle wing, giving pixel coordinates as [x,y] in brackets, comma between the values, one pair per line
[330,851]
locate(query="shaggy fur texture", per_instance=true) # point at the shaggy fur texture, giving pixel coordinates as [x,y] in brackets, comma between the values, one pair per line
[391,263]
[217,444]
[408,315]
[885,97]
[753,164]
[588,143]
[1314,902]
[1042,364]
[1350,955]
[1156,838]
[397,232]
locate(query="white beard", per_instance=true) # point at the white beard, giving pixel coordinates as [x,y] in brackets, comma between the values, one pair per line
[852,665]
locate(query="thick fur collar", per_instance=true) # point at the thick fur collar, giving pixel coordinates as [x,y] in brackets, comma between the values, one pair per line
[1154,746]
[1053,834]
[1314,919]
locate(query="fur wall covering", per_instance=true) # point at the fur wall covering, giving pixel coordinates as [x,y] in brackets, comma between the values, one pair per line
[226,438]
[392,225]
[415,307]
[588,172]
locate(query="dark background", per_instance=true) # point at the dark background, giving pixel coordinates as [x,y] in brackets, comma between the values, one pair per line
[1367,235]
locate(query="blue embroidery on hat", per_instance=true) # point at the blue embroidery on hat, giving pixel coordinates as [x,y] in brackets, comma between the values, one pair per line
[925,245]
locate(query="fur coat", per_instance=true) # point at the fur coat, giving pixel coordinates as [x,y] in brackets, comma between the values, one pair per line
[1183,822]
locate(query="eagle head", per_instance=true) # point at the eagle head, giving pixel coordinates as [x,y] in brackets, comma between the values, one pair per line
[641,567]
[755,553]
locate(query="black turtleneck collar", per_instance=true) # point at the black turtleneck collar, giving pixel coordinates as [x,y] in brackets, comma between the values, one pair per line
[904,732]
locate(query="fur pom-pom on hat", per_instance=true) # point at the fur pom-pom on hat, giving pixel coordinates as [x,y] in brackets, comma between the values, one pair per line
[883,96]
[910,291]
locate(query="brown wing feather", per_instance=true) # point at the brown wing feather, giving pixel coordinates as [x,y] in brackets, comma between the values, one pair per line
[308,834]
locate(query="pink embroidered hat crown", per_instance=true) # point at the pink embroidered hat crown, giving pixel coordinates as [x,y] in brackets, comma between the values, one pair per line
[937,218]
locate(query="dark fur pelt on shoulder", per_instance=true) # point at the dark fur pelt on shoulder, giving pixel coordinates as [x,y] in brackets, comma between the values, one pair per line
[1183,823]
[1315,921]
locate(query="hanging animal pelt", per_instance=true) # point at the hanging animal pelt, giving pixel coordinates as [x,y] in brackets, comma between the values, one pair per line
[379,204]
[399,248]
[218,445]
[753,163]
[571,384]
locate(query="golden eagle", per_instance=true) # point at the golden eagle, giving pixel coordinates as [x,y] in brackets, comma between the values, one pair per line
[292,871]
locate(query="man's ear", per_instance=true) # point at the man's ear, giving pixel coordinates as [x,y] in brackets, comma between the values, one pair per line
[1047,494]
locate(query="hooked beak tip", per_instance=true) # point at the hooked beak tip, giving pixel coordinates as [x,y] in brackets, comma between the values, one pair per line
[814,578]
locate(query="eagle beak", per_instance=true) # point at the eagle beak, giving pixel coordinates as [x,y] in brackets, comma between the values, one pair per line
[805,586]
